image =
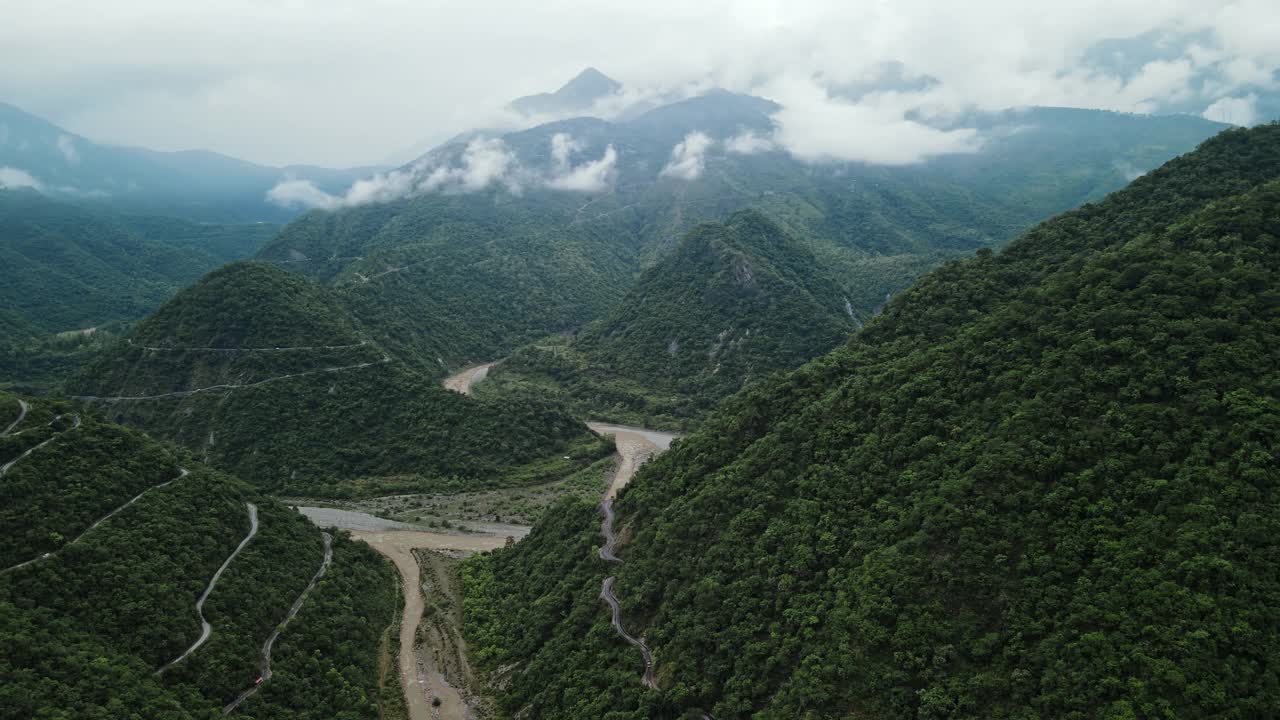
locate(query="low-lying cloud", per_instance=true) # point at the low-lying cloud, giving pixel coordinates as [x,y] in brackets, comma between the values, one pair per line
[688,157]
[749,143]
[815,126]
[1234,110]
[593,176]
[12,178]
[484,163]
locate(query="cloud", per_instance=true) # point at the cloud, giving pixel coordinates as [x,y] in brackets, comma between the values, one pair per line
[67,146]
[13,178]
[688,157]
[748,143]
[562,148]
[301,194]
[484,162]
[1234,110]
[261,79]
[593,176]
[816,127]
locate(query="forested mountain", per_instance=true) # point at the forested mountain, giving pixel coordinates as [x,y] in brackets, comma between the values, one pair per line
[288,384]
[488,243]
[69,267]
[72,270]
[111,537]
[733,302]
[195,184]
[1042,484]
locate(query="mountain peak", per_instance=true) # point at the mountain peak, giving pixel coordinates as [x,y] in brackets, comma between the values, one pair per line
[577,95]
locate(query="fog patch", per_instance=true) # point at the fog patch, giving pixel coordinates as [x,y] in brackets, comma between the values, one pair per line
[688,157]
[11,178]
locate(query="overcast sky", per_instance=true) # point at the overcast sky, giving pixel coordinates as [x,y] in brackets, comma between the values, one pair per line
[352,82]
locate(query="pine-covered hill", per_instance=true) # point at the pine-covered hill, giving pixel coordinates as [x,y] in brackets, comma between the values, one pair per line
[1042,485]
[274,378]
[732,303]
[108,545]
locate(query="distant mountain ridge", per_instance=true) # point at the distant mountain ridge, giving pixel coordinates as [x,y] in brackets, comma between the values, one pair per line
[498,228]
[196,184]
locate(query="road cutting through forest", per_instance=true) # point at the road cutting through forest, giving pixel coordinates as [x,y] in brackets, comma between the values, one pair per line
[205,628]
[23,407]
[265,675]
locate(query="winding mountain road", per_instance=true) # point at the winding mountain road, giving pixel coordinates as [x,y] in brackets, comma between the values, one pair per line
[211,348]
[183,472]
[23,407]
[75,424]
[205,628]
[271,639]
[635,447]
[226,386]
[606,593]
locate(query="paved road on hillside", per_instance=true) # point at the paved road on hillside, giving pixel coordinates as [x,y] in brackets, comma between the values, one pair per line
[205,628]
[75,424]
[22,414]
[288,348]
[635,447]
[606,593]
[226,386]
[265,675]
[181,474]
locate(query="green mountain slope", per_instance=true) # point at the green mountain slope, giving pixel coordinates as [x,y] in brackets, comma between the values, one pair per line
[1043,484]
[272,377]
[69,267]
[477,273]
[108,545]
[731,303]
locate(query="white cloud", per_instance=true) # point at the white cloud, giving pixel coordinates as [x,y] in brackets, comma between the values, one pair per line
[484,162]
[261,79]
[592,177]
[688,157]
[67,146]
[301,194]
[1234,110]
[816,127]
[12,178]
[748,143]
[563,146]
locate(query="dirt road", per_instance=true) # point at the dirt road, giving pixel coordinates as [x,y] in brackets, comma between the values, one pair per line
[462,381]
[635,447]
[423,681]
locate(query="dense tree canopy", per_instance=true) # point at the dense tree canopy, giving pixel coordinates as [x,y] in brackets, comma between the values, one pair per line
[1043,484]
